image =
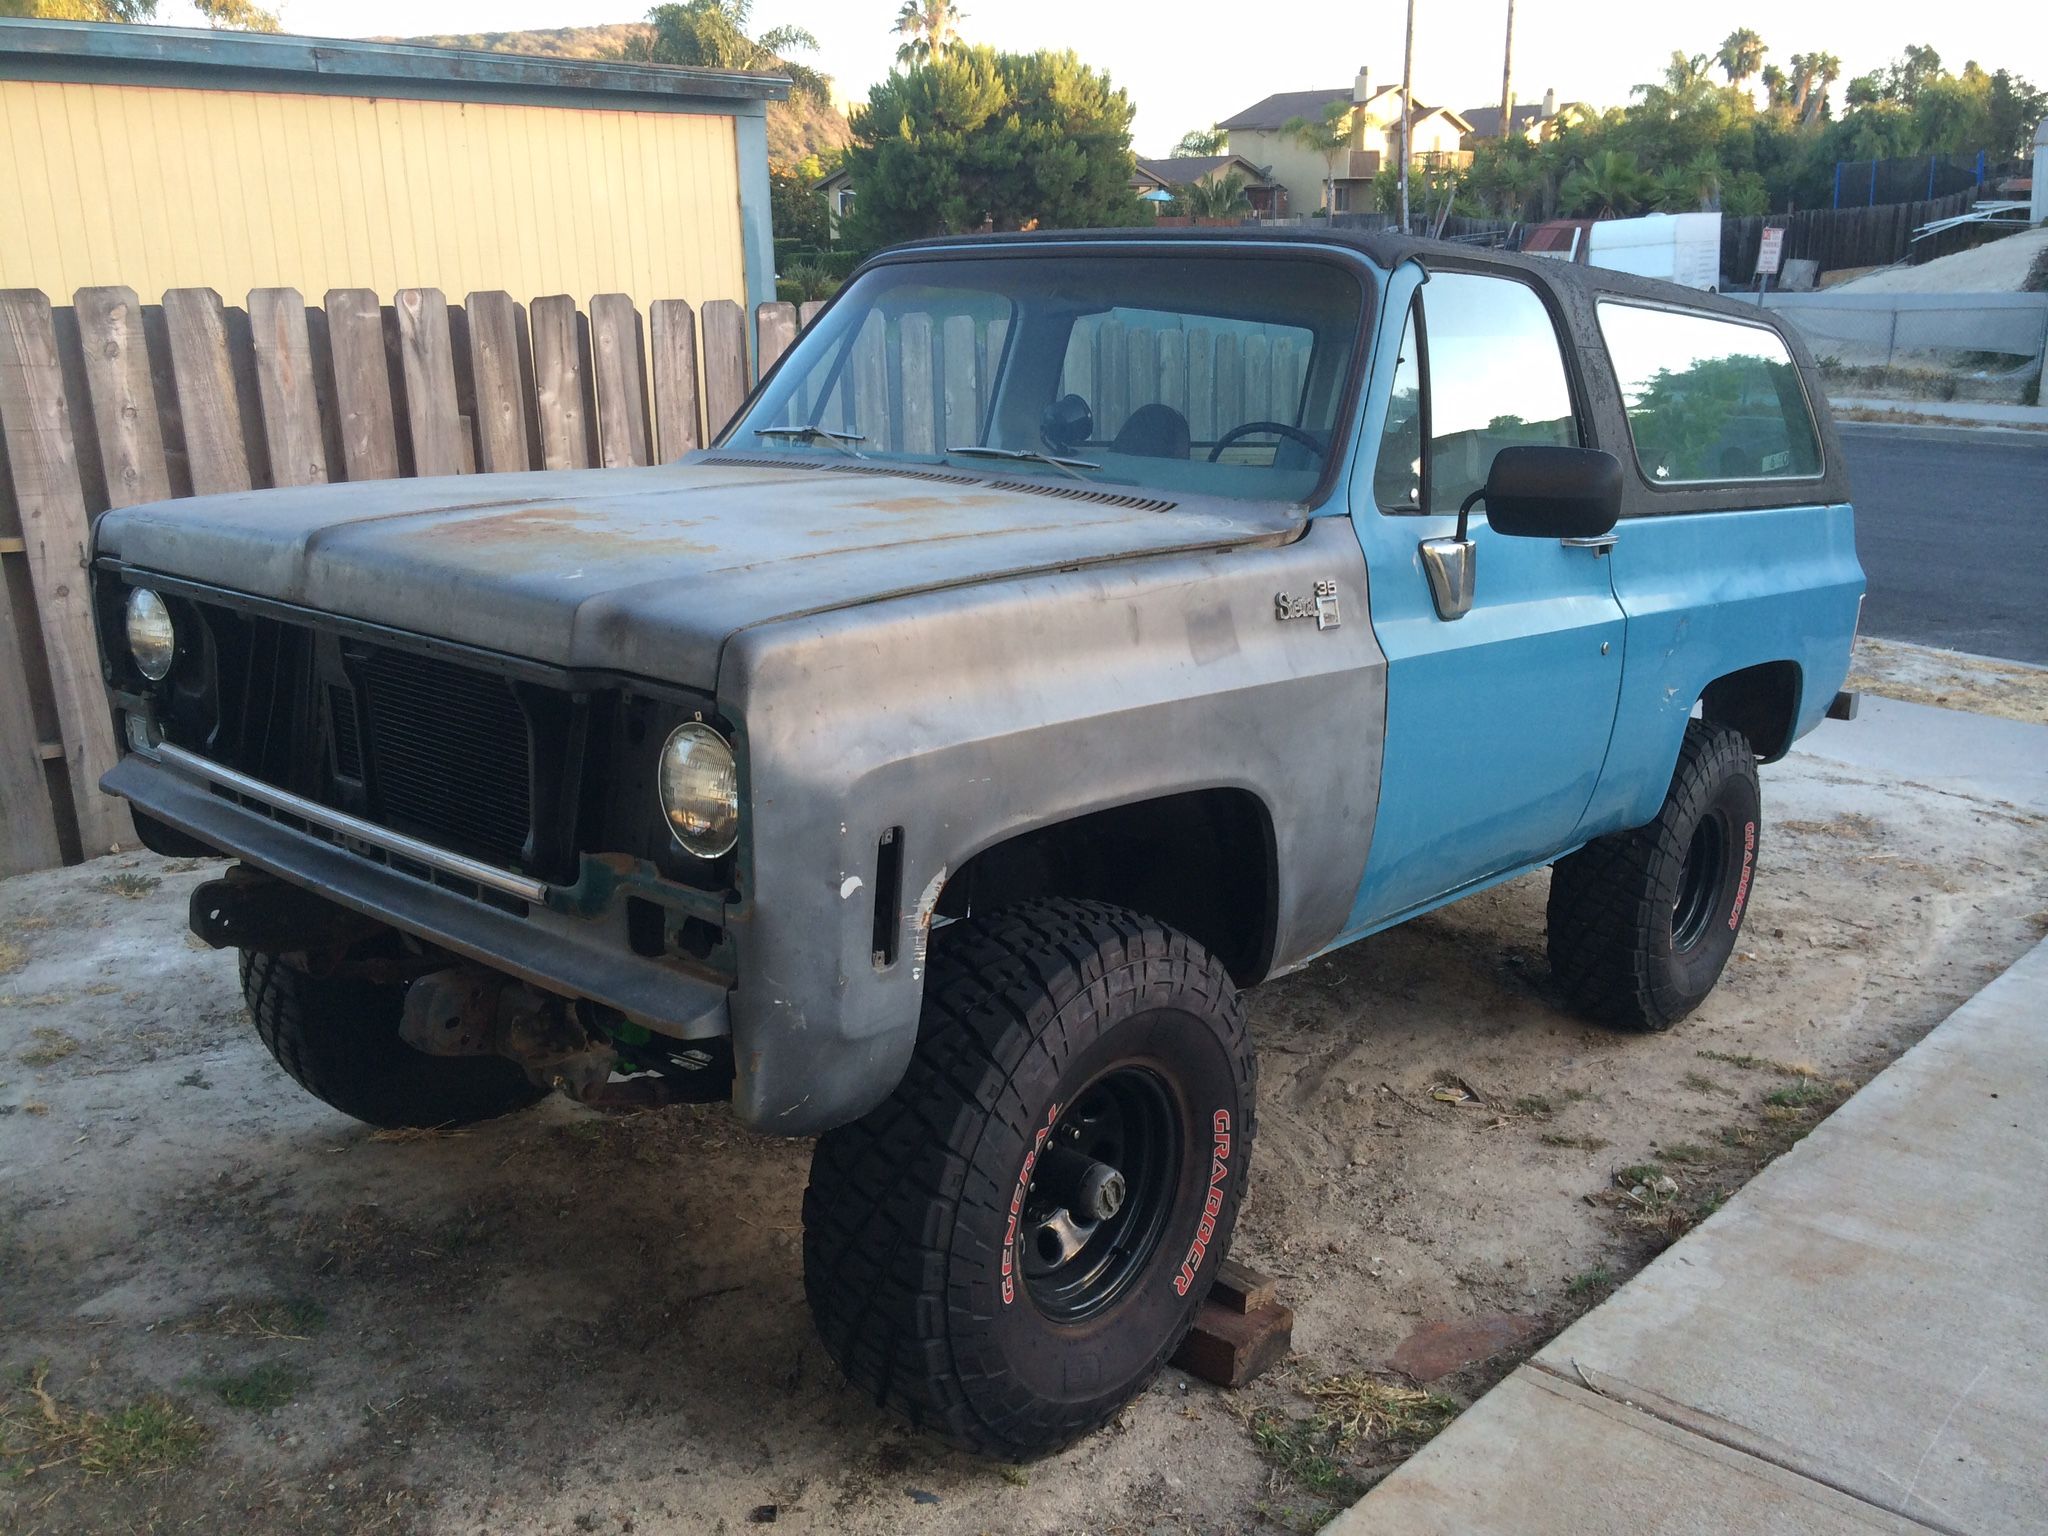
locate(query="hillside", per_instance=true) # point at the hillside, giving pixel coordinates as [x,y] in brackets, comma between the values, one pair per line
[797,128]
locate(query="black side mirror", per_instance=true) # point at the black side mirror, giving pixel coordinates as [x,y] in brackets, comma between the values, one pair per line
[1537,492]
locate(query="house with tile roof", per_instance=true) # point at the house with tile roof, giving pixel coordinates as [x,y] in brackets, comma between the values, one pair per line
[1259,133]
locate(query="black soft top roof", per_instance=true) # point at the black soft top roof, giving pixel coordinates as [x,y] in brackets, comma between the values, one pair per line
[1383,248]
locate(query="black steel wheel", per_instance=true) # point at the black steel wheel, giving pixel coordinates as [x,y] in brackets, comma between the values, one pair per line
[1642,922]
[1012,1244]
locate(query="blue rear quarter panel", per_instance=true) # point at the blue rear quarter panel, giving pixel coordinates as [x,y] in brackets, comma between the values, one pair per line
[1707,594]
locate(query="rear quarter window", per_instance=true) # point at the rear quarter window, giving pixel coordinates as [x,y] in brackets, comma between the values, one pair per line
[1709,399]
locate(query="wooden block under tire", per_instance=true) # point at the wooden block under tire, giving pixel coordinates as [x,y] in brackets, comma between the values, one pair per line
[1243,1289]
[1229,1348]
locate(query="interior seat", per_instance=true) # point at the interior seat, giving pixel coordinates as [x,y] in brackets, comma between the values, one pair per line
[1154,431]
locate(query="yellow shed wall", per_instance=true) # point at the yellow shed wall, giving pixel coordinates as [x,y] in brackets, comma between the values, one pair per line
[174,188]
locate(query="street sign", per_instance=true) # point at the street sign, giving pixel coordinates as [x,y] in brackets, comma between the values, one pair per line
[1768,254]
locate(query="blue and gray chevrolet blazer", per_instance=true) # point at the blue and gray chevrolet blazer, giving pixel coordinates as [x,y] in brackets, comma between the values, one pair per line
[1070,633]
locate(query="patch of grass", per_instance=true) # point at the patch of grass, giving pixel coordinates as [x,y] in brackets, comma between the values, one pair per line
[1016,1477]
[1680,1152]
[13,957]
[1597,1281]
[1740,1137]
[1578,1143]
[1359,1408]
[129,884]
[291,1319]
[1638,1173]
[35,1000]
[51,1046]
[1805,1093]
[1583,1095]
[143,1439]
[258,1389]
[1300,1449]
[1533,1104]
[1353,1414]
[1699,1082]
[1749,1063]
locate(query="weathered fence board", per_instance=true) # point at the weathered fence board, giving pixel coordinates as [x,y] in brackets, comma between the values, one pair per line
[567,435]
[428,351]
[920,402]
[724,326]
[672,332]
[123,396]
[496,363]
[776,326]
[622,435]
[284,386]
[28,822]
[362,384]
[216,448]
[56,535]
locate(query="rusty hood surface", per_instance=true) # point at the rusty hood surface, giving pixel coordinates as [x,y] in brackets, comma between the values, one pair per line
[648,571]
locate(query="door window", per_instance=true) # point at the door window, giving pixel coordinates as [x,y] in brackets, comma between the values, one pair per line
[1484,371]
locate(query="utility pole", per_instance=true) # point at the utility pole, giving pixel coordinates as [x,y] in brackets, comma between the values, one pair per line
[1507,79]
[1407,109]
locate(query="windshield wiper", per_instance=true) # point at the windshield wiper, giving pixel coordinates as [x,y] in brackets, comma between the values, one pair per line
[1026,455]
[843,441]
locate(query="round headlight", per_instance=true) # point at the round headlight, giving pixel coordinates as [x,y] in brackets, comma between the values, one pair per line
[700,790]
[152,640]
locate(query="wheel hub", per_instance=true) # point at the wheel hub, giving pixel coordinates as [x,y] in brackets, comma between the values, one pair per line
[1099,1195]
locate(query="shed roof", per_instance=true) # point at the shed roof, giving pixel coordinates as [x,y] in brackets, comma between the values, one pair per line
[120,52]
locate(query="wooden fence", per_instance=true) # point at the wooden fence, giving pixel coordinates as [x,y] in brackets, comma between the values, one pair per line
[110,402]
[1846,237]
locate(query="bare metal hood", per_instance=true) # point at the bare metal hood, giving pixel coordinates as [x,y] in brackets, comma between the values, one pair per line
[647,571]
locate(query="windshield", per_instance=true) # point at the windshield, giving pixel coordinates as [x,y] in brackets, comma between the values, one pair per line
[1209,372]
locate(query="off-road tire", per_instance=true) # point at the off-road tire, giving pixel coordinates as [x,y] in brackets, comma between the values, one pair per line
[908,1232]
[1634,942]
[338,1038]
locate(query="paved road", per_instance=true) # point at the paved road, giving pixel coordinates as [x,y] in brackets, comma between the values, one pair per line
[1952,528]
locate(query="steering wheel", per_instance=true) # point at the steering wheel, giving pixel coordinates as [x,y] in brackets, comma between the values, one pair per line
[1306,439]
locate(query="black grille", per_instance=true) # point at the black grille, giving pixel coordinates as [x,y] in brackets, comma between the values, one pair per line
[449,754]
[348,736]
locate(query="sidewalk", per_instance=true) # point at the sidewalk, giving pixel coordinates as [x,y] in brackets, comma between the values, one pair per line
[1959,413]
[1857,1342]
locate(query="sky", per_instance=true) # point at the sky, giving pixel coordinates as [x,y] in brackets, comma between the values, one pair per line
[1187,64]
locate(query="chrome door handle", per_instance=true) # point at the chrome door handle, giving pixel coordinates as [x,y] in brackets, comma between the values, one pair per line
[1599,544]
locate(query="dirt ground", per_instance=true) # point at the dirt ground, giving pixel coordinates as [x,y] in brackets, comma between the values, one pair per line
[225,1308]
[1922,674]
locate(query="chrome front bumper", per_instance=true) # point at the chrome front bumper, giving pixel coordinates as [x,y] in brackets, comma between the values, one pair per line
[421,889]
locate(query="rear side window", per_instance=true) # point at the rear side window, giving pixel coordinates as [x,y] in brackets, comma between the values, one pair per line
[1709,399]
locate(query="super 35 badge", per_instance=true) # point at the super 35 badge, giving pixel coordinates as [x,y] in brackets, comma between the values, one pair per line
[1322,606]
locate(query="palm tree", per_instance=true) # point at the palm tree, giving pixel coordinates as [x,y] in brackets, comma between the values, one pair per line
[1197,142]
[1607,185]
[1215,197]
[1329,138]
[712,34]
[1824,69]
[1777,89]
[1741,55]
[1683,85]
[929,28]
[1687,188]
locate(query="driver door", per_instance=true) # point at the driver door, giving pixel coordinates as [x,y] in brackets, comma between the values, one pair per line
[1498,721]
